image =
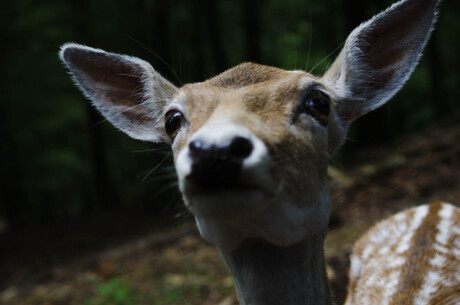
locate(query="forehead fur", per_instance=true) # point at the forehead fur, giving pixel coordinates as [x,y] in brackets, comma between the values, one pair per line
[248,88]
[246,74]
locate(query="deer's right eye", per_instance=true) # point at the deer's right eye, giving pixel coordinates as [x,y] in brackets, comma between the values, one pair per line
[173,122]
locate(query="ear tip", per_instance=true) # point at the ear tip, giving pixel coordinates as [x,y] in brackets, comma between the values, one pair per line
[68,50]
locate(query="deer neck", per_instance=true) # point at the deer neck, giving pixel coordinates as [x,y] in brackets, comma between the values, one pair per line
[265,274]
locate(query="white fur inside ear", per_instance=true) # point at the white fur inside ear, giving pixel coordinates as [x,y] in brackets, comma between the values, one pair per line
[125,89]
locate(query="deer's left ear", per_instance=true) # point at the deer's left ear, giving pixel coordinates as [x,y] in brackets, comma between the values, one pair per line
[379,56]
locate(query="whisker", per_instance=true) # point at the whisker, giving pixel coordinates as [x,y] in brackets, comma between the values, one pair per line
[182,214]
[161,150]
[152,170]
[156,152]
[310,32]
[351,140]
[167,187]
[325,58]
[163,178]
[170,167]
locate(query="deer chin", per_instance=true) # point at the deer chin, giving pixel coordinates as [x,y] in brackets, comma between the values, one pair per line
[227,217]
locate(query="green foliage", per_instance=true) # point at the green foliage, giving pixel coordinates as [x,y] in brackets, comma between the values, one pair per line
[178,293]
[113,292]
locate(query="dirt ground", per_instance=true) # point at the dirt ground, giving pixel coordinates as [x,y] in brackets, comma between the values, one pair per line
[173,265]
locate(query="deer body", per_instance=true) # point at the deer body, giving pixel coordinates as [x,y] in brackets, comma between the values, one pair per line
[411,258]
[251,146]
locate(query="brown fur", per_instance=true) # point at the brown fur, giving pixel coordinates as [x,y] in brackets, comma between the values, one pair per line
[420,252]
[245,74]
[255,96]
[412,275]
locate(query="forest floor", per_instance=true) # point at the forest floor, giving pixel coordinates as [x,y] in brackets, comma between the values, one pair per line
[173,265]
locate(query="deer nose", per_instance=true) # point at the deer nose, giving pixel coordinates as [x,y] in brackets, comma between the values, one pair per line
[218,165]
[238,148]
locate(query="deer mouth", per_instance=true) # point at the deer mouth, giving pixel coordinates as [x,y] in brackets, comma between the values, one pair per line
[227,201]
[212,181]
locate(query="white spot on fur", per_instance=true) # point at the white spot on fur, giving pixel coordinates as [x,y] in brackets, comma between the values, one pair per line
[429,287]
[377,273]
[446,211]
[400,217]
[457,242]
[397,262]
[440,248]
[356,266]
[379,237]
[456,230]
[384,250]
[419,216]
[391,286]
[456,253]
[368,251]
[438,261]
[445,224]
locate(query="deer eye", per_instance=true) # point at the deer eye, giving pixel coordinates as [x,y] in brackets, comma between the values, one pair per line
[316,104]
[173,122]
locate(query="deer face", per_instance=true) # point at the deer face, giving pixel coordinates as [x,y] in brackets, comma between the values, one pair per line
[251,156]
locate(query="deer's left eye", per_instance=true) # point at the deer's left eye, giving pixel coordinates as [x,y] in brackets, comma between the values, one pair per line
[317,105]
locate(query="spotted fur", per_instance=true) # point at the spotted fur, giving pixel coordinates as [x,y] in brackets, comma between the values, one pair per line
[412,258]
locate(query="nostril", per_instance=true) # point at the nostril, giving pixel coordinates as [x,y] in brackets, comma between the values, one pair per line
[240,148]
[194,146]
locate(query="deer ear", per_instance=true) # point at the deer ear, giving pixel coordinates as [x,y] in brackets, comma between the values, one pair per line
[379,56]
[126,90]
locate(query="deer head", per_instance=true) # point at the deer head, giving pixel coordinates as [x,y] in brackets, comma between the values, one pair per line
[251,145]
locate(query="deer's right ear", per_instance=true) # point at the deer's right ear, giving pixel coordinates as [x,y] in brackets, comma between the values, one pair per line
[126,90]
[379,56]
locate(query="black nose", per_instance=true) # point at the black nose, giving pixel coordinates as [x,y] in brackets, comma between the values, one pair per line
[218,165]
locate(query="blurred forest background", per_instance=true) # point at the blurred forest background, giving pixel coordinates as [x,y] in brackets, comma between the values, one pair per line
[64,167]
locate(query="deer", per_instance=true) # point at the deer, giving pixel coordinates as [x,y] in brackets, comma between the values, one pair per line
[251,148]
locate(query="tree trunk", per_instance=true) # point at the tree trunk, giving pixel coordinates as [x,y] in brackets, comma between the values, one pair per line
[371,127]
[162,42]
[214,34]
[251,21]
[439,99]
[106,198]
[13,191]
[198,43]
[355,14]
